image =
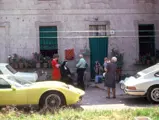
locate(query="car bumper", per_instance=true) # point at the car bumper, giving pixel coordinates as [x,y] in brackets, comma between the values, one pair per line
[76,95]
[80,99]
[131,92]
[135,92]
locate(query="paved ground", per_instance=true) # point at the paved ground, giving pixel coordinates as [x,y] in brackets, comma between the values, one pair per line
[95,98]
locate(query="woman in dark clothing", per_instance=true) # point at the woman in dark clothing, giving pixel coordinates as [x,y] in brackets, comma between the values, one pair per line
[65,74]
[110,81]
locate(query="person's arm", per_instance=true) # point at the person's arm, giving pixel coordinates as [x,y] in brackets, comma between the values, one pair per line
[78,64]
[62,71]
[106,68]
[69,72]
[55,64]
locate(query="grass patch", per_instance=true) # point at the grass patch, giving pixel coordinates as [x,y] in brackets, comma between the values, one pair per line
[72,114]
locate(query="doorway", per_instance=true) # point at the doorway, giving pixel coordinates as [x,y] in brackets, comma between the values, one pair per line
[146,39]
[48,41]
[98,43]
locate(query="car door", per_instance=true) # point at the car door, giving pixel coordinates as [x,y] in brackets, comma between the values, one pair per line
[11,94]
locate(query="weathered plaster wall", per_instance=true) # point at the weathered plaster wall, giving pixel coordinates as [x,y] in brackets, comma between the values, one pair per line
[22,18]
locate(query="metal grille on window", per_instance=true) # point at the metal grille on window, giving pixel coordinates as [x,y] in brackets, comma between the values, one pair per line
[97,30]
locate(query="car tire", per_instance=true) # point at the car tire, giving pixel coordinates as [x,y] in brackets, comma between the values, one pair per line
[153,94]
[52,100]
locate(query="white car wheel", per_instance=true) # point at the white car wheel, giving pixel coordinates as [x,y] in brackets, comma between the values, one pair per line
[155,94]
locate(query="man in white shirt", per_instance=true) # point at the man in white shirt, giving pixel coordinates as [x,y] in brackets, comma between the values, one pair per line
[81,67]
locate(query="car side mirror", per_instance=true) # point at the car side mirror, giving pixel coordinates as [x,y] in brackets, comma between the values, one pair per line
[13,88]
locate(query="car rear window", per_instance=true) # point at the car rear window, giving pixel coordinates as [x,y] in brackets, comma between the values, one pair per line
[11,69]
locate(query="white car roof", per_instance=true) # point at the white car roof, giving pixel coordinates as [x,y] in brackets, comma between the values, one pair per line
[150,69]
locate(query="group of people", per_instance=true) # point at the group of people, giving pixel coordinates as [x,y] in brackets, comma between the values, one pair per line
[108,73]
[62,71]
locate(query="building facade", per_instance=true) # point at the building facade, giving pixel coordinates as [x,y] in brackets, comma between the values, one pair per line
[24,22]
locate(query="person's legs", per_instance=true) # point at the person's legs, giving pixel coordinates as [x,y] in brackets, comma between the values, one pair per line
[81,79]
[114,92]
[71,81]
[108,92]
[78,78]
[100,78]
[96,79]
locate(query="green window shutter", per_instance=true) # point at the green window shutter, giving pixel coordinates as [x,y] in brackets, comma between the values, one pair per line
[48,38]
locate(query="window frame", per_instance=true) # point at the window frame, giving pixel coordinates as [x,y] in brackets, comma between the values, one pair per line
[97,30]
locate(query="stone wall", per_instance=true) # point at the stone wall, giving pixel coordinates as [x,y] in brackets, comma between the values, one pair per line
[20,20]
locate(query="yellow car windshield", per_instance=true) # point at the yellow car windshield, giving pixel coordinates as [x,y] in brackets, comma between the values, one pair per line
[15,83]
[20,82]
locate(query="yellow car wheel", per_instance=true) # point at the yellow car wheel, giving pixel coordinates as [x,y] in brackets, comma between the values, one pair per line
[52,100]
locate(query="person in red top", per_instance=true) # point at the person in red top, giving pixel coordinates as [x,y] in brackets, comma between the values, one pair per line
[56,75]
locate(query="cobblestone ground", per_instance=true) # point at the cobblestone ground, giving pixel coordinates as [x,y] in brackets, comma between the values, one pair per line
[95,98]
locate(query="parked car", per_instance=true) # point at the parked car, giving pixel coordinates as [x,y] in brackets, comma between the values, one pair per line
[51,94]
[8,70]
[144,83]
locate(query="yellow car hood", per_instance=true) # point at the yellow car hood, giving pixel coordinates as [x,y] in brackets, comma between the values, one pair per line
[47,84]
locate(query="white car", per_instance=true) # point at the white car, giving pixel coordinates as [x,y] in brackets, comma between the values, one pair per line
[144,83]
[6,69]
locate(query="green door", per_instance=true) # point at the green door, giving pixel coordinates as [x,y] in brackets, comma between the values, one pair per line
[48,37]
[99,50]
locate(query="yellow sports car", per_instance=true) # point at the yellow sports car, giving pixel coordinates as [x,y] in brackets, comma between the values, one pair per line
[52,94]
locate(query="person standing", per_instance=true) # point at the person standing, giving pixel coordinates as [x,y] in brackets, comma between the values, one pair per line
[56,75]
[110,81]
[81,67]
[66,73]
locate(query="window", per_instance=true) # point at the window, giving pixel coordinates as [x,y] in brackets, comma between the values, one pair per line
[4,84]
[97,30]
[11,69]
[48,40]
[146,39]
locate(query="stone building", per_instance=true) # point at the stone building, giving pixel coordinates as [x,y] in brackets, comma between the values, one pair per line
[22,23]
